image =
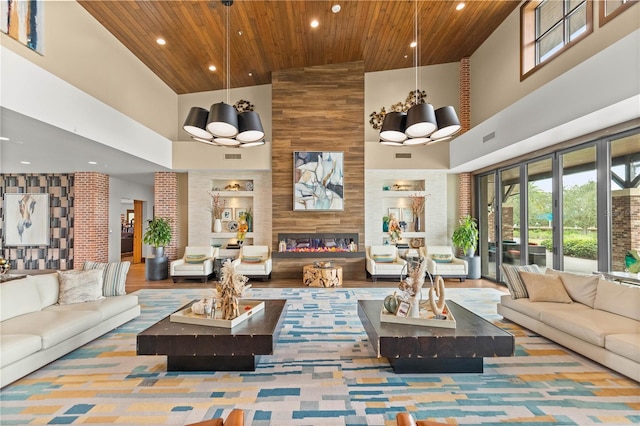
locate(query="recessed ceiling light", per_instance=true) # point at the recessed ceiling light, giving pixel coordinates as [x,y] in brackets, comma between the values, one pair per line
[25,162]
[161,41]
[335,8]
[314,24]
[240,32]
[413,44]
[406,56]
[250,74]
[4,138]
[93,162]
[460,6]
[212,68]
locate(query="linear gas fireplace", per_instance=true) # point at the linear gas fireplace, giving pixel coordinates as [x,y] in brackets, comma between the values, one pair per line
[317,244]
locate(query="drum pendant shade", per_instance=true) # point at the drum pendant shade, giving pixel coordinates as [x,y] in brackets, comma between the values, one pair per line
[223,121]
[448,122]
[393,127]
[417,141]
[421,121]
[196,123]
[250,127]
[226,141]
[251,144]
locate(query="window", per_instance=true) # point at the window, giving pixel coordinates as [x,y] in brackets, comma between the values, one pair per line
[609,9]
[549,27]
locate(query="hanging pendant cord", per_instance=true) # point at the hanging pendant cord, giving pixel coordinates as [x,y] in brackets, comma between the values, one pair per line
[228,66]
[415,49]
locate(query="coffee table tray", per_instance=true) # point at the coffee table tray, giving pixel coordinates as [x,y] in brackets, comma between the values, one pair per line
[427,318]
[247,307]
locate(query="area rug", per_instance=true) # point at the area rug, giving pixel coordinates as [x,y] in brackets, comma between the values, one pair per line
[323,372]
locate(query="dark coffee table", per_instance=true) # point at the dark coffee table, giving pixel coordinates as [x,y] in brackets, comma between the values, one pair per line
[419,349]
[202,348]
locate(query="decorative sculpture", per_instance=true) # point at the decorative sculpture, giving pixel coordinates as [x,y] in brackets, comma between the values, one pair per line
[231,288]
[412,285]
[437,290]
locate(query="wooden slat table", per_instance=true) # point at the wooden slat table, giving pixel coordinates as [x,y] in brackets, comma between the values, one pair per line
[313,276]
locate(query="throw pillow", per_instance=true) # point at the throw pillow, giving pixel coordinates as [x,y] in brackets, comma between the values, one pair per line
[114,276]
[80,286]
[545,288]
[442,258]
[251,259]
[514,282]
[581,288]
[195,258]
[383,259]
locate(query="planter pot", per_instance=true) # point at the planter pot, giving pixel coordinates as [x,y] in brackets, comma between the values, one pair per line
[158,251]
[217,225]
[470,252]
[385,226]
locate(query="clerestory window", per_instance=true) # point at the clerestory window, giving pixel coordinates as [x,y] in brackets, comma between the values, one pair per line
[549,27]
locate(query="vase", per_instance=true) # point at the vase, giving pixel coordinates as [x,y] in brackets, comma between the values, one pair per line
[385,226]
[416,223]
[217,225]
[414,310]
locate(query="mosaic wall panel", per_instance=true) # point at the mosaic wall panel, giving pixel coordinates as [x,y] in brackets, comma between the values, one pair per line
[59,253]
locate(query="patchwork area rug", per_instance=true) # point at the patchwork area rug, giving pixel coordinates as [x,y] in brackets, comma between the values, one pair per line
[323,372]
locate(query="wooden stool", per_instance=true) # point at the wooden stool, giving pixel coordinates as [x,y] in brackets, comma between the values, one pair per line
[322,277]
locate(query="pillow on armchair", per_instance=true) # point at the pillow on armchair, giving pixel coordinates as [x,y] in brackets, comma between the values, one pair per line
[442,257]
[383,258]
[195,258]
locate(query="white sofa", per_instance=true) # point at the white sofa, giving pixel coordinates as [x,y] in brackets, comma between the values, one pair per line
[254,262]
[197,262]
[441,261]
[35,331]
[384,262]
[601,322]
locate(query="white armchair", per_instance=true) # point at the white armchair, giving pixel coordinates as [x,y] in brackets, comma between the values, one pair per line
[254,262]
[384,262]
[441,261]
[197,262]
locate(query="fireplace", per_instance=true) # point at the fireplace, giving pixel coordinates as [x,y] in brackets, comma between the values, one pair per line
[317,244]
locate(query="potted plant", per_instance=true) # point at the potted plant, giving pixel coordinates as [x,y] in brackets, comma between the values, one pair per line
[158,234]
[465,236]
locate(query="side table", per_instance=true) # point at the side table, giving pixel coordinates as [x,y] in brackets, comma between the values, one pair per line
[313,276]
[473,263]
[156,268]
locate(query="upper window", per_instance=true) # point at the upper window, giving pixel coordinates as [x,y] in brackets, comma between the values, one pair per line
[609,9]
[549,27]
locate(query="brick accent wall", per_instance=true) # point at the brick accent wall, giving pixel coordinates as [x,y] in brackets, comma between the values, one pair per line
[465,95]
[91,220]
[464,194]
[625,225]
[59,253]
[464,114]
[166,205]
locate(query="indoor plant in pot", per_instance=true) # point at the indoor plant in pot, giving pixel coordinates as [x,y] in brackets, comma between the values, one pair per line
[465,236]
[158,234]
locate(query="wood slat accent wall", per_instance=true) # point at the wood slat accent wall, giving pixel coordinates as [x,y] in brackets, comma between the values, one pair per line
[318,109]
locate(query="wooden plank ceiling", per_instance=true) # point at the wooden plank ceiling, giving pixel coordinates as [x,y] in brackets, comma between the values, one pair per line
[272,35]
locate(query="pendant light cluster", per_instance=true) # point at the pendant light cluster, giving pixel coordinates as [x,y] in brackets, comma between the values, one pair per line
[421,124]
[222,125]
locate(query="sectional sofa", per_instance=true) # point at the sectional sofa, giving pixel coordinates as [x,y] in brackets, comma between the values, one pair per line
[596,318]
[35,329]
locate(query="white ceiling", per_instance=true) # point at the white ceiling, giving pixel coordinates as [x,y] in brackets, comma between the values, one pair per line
[50,149]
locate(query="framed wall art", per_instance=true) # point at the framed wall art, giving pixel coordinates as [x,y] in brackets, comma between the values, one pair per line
[318,181]
[26,219]
[227,214]
[24,21]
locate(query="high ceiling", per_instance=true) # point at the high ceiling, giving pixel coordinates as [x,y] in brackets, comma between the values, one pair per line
[271,35]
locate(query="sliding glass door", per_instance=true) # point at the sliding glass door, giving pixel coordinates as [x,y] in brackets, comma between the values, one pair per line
[486,225]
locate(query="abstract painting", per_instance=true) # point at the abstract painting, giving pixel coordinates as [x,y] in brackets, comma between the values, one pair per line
[318,181]
[23,20]
[26,219]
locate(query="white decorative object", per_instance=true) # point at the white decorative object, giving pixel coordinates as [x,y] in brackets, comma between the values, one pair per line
[437,290]
[217,225]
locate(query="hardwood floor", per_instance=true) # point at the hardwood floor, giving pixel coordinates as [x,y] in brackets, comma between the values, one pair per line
[136,281]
